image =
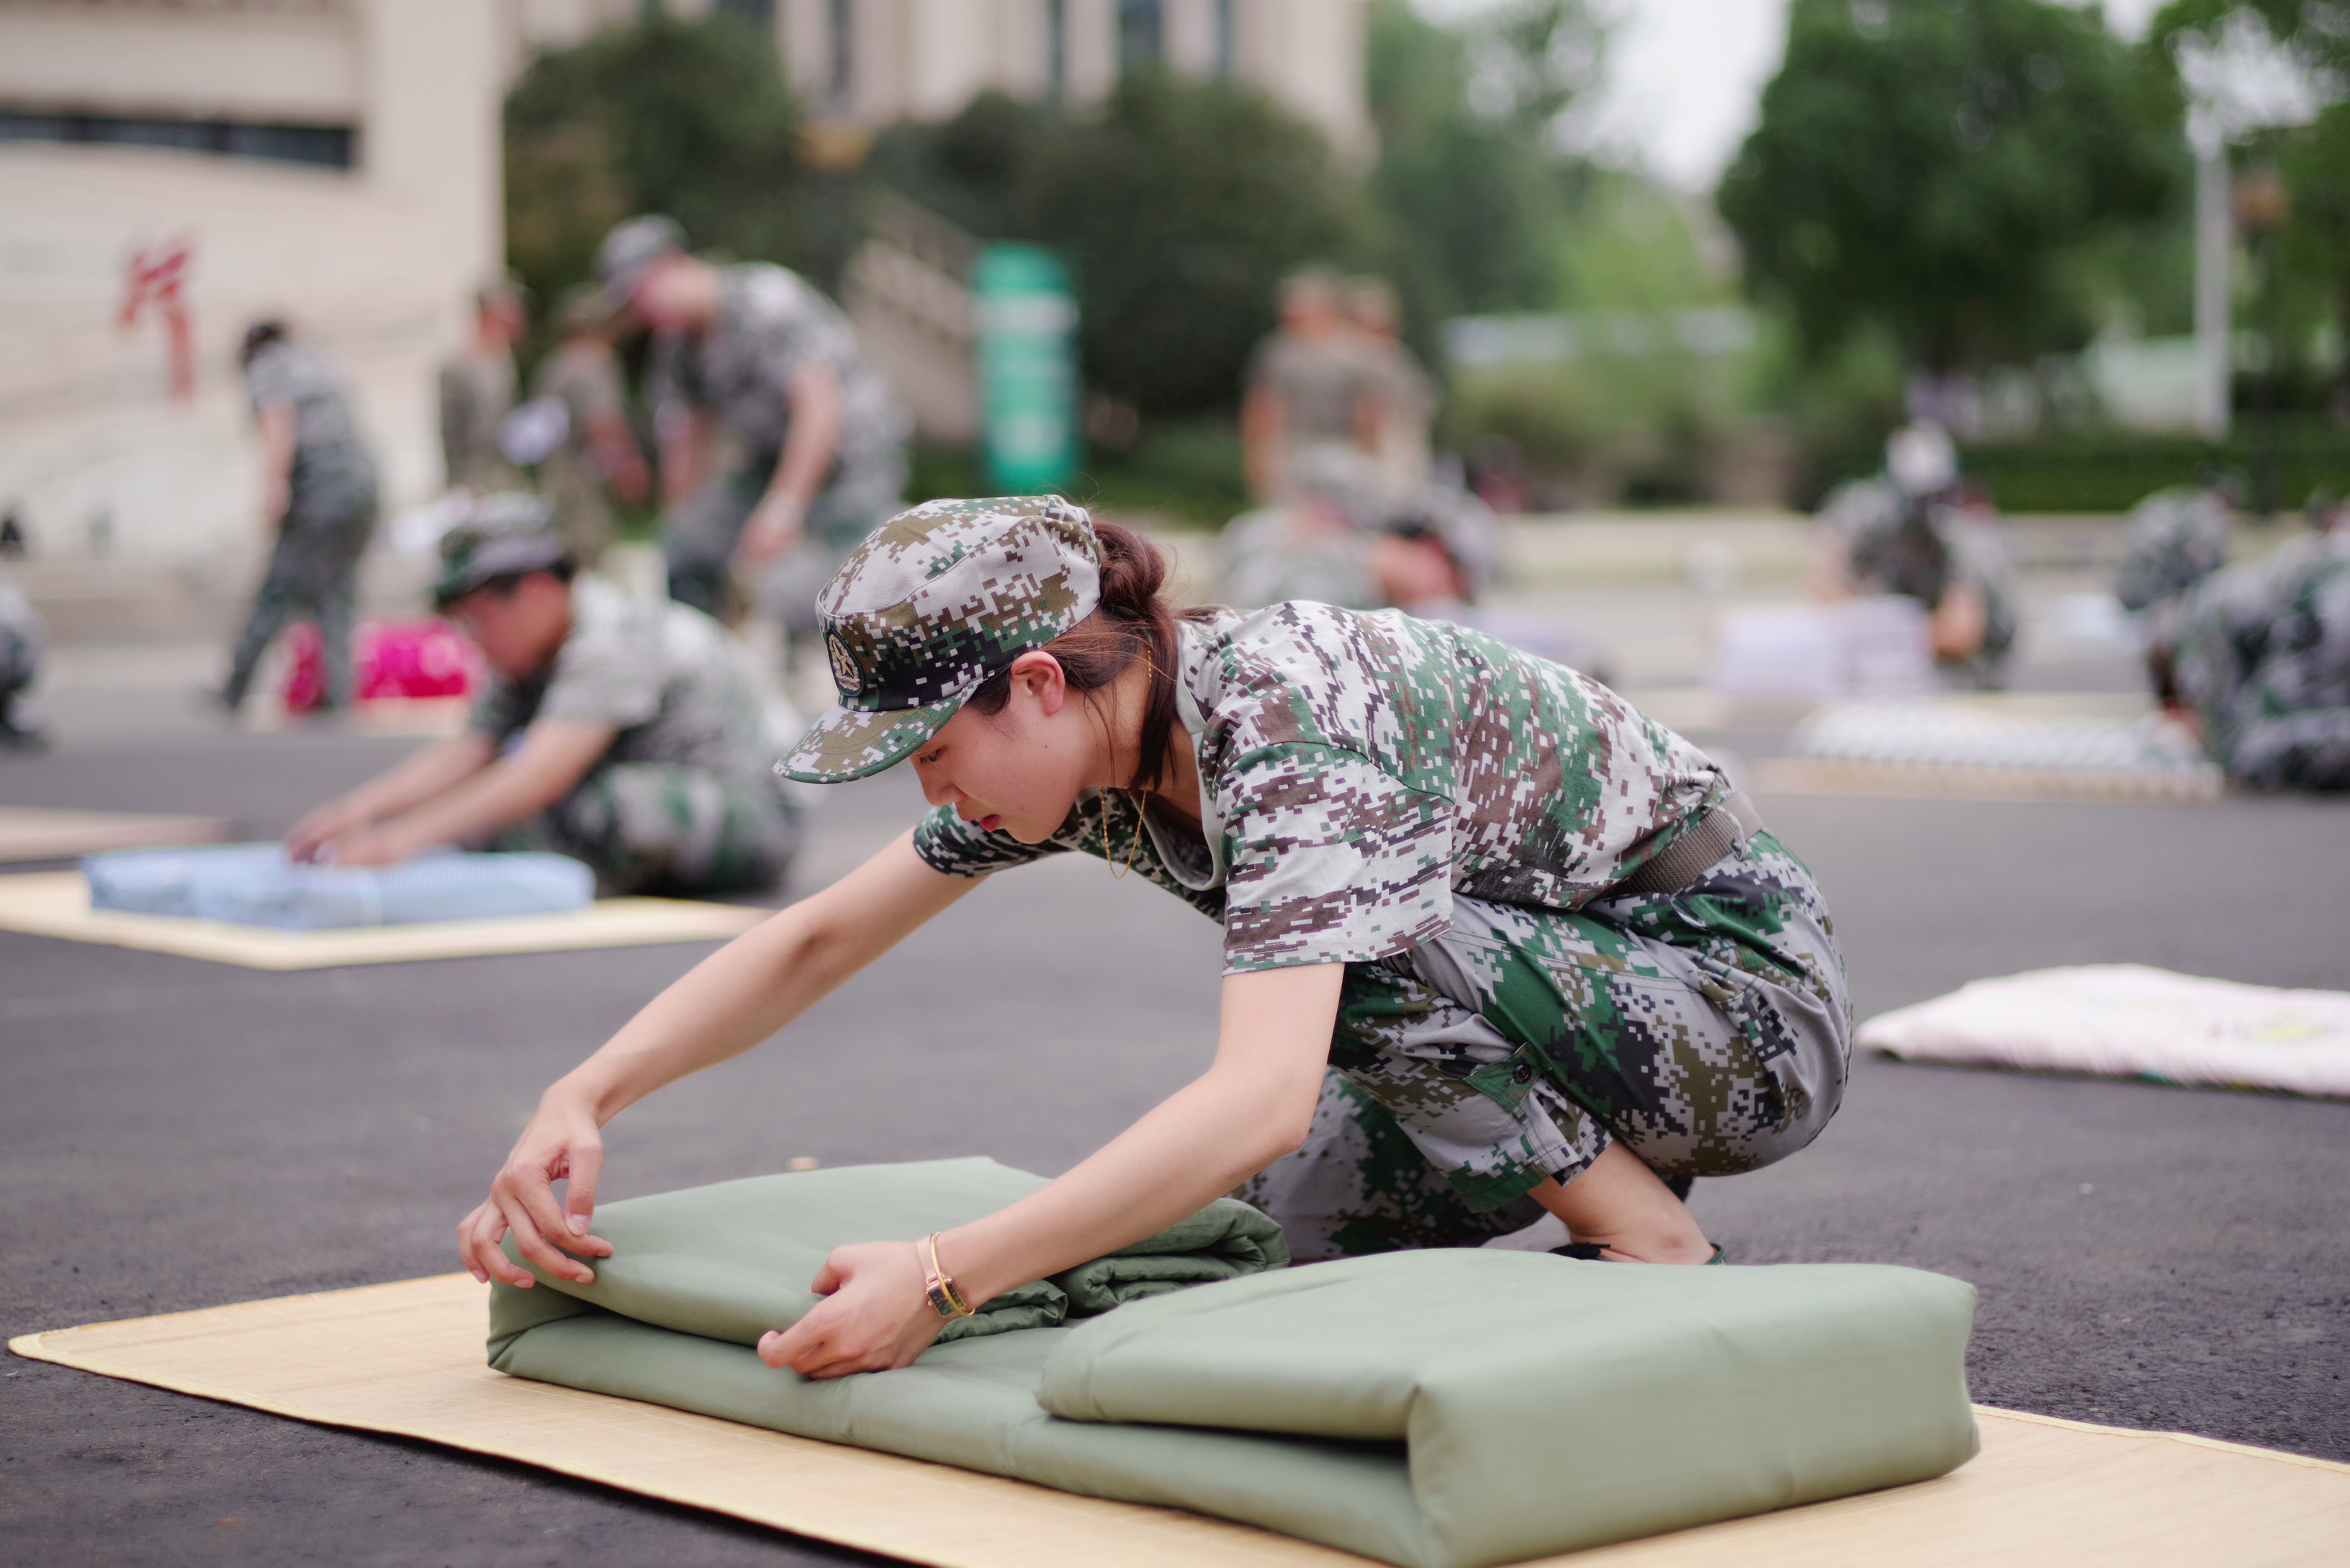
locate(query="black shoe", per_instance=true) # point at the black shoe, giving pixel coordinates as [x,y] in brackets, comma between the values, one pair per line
[1593,1253]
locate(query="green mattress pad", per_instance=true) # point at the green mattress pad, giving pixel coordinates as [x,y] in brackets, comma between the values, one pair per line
[1437,1409]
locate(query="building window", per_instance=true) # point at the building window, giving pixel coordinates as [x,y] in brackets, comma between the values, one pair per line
[841,83]
[326,145]
[1141,34]
[1224,40]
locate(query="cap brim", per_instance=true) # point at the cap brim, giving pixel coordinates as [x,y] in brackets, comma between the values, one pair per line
[845,744]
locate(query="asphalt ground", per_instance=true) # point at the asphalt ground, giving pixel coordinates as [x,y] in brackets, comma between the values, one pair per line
[177,1135]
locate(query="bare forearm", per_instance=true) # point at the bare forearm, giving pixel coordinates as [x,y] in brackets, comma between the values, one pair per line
[1191,1148]
[476,806]
[760,982]
[419,777]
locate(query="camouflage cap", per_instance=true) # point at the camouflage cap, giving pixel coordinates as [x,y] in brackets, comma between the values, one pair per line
[500,534]
[934,602]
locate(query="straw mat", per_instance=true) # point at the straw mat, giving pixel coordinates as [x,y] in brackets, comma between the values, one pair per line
[37,833]
[407,1359]
[56,904]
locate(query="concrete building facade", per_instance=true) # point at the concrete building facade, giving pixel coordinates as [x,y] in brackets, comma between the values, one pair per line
[172,169]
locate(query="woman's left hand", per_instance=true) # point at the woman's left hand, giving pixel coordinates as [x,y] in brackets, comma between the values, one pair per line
[875,1316]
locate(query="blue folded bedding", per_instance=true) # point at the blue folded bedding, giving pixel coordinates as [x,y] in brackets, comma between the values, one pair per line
[255,884]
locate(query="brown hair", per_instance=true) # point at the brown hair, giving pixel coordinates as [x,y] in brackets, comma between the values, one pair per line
[1131,622]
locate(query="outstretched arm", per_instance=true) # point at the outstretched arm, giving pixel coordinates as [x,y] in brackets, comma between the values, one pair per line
[415,778]
[555,754]
[725,1005]
[1255,1104]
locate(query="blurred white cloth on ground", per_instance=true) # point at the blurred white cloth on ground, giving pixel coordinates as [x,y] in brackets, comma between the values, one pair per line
[1962,731]
[2132,1021]
[1818,652]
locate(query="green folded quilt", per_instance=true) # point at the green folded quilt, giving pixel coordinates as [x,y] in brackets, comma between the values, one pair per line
[1441,1409]
[732,1260]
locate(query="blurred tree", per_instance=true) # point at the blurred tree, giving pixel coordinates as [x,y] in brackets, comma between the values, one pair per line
[2312,159]
[1472,181]
[973,170]
[1927,168]
[1179,207]
[692,119]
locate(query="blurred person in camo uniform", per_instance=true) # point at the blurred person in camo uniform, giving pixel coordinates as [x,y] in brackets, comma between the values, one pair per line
[1495,944]
[318,502]
[634,736]
[2264,662]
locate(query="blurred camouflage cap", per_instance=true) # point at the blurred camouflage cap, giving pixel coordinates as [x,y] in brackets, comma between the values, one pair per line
[934,602]
[499,536]
[629,253]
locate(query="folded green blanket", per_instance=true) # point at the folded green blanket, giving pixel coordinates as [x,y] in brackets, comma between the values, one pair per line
[732,1260]
[1443,1409]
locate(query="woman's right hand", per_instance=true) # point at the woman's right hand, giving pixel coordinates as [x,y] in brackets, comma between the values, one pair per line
[562,1142]
[321,827]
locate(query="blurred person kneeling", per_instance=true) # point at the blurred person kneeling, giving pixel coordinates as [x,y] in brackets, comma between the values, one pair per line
[634,736]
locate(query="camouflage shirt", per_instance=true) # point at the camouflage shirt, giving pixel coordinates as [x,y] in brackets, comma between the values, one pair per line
[2176,538]
[333,476]
[771,323]
[674,684]
[1359,770]
[2264,653]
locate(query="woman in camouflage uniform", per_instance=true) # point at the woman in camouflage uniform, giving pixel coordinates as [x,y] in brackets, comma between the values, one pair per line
[1496,943]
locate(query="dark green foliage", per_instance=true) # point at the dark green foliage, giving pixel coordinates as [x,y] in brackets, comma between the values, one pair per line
[2112,473]
[1929,168]
[974,170]
[1177,206]
[1477,205]
[1177,211]
[692,119]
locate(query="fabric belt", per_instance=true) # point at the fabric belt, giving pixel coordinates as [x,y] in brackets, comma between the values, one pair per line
[1721,829]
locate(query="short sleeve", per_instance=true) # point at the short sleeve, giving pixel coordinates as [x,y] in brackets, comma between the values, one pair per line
[605,674]
[1330,859]
[796,328]
[949,844]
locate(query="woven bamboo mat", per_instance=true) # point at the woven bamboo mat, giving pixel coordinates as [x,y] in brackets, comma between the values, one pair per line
[407,1359]
[38,833]
[56,904]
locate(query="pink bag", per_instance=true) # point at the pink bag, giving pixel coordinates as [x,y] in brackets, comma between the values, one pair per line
[400,659]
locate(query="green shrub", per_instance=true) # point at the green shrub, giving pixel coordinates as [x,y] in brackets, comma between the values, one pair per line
[692,119]
[2112,473]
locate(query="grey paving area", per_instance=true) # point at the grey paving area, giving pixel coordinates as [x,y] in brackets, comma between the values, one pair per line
[176,1135]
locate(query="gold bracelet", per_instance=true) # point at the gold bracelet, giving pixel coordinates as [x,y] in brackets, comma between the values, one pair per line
[939,1286]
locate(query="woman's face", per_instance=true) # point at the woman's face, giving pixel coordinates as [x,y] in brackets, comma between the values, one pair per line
[1018,770]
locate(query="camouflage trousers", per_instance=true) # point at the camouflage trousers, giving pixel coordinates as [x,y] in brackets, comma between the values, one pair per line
[1707,1030]
[661,827]
[313,572]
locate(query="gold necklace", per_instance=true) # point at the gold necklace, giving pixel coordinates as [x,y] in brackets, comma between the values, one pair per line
[1118,873]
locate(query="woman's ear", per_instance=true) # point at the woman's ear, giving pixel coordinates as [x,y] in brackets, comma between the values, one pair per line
[1038,674]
